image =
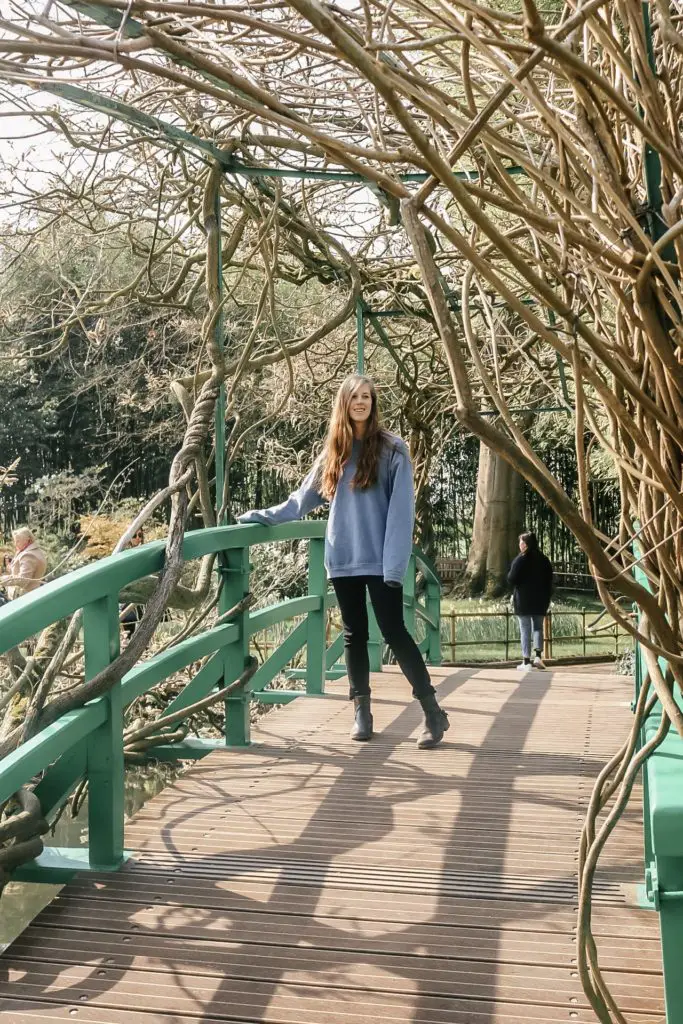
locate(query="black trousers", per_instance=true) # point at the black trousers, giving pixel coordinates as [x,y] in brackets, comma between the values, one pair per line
[387,603]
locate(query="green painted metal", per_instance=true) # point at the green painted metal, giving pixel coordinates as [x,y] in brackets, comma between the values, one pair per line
[289,647]
[104,757]
[31,613]
[284,610]
[193,748]
[153,127]
[235,571]
[32,757]
[148,673]
[409,596]
[422,613]
[337,672]
[88,742]
[282,696]
[665,768]
[61,778]
[663,835]
[433,618]
[108,16]
[375,641]
[385,339]
[426,566]
[664,873]
[431,613]
[200,685]
[219,413]
[315,639]
[335,651]
[163,131]
[57,865]
[27,615]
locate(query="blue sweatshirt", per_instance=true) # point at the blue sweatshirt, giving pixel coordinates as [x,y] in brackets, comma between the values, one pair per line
[369,532]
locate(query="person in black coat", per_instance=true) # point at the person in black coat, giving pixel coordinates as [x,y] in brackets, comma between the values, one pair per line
[531,577]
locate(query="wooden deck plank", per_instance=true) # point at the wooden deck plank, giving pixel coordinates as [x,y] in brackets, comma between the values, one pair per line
[309,879]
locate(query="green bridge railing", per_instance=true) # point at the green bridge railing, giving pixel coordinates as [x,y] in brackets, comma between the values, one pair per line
[87,743]
[662,777]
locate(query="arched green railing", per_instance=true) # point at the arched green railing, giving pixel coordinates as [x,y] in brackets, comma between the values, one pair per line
[88,742]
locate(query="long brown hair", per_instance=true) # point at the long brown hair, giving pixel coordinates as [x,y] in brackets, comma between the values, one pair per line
[339,441]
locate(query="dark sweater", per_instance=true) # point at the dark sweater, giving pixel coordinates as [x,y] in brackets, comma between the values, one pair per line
[531,576]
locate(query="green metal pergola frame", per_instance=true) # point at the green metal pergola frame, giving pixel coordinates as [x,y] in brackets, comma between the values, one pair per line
[167,133]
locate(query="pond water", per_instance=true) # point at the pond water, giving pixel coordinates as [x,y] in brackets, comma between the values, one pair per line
[21,901]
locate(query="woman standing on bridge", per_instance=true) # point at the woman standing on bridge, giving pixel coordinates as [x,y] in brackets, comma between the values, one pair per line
[365,473]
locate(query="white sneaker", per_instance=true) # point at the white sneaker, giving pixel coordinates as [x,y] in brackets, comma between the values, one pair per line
[538,663]
[523,667]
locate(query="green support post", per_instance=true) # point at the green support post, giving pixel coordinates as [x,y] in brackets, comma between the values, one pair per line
[360,334]
[664,879]
[104,758]
[315,624]
[671,930]
[235,570]
[375,641]
[219,415]
[409,596]
[434,613]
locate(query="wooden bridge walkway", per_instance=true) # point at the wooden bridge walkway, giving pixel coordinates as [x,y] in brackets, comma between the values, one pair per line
[310,880]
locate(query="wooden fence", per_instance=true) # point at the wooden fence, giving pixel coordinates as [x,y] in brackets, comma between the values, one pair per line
[589,634]
[459,643]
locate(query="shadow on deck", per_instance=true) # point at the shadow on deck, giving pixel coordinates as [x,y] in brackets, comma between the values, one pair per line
[310,880]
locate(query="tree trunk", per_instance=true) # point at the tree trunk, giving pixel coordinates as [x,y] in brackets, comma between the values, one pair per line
[498,521]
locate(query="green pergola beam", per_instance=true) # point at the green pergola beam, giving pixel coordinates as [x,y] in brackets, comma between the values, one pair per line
[133,29]
[179,137]
[383,336]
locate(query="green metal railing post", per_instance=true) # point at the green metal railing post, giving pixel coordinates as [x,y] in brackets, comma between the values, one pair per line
[409,596]
[235,570]
[316,621]
[671,930]
[637,667]
[375,641]
[104,759]
[219,415]
[434,632]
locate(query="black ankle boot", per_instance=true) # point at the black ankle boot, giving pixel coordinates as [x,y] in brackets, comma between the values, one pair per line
[362,726]
[436,723]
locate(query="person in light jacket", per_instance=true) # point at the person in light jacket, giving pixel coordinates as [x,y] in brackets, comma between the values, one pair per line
[531,577]
[365,473]
[26,570]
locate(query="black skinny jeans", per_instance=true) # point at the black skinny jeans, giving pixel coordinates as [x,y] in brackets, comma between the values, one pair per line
[387,603]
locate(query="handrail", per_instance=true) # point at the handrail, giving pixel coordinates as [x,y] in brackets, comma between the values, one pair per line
[661,774]
[88,742]
[30,613]
[428,567]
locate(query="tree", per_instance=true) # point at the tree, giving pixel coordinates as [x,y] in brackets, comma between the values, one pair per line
[552,176]
[498,521]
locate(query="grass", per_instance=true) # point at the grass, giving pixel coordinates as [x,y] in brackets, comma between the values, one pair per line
[479,636]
